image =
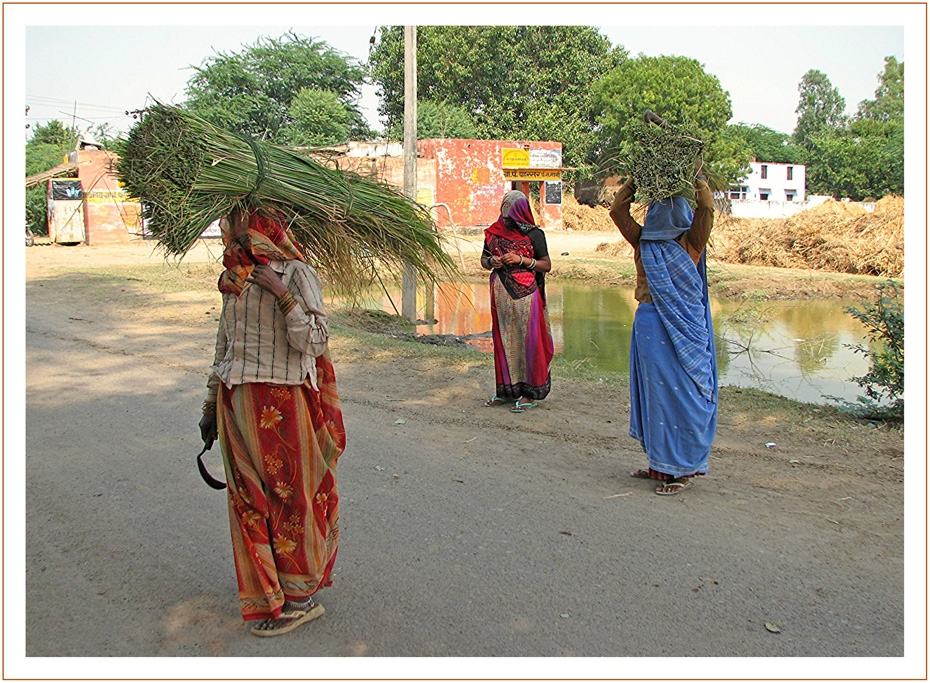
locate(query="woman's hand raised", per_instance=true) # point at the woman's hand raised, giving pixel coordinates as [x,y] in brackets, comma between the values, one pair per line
[267,279]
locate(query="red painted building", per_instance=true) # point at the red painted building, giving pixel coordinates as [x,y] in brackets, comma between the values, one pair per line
[465,179]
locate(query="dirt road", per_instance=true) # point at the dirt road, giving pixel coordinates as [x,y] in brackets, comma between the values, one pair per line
[466,531]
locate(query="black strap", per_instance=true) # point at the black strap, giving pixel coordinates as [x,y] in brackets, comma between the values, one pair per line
[211,482]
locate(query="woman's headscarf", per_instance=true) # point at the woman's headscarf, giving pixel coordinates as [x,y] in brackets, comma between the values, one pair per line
[515,207]
[667,219]
[268,239]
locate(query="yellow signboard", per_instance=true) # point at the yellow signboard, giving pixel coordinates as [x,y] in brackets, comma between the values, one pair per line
[530,174]
[108,196]
[515,158]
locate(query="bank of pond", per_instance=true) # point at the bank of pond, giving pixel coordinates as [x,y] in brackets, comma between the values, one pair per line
[797,349]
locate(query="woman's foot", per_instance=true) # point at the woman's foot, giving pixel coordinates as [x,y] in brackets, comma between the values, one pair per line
[496,401]
[292,615]
[673,487]
[642,474]
[521,407]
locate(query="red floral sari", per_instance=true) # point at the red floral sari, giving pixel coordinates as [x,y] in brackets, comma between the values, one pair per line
[280,446]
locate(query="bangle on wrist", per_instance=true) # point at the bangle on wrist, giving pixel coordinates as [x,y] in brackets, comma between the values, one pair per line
[209,407]
[287,303]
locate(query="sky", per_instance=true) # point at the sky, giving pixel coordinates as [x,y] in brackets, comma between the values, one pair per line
[93,74]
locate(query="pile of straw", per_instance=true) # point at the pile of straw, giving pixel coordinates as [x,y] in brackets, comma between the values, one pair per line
[188,173]
[834,236]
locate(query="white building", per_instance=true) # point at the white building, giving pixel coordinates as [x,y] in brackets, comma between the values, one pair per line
[772,183]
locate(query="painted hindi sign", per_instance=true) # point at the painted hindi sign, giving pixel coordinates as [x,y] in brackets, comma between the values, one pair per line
[532,174]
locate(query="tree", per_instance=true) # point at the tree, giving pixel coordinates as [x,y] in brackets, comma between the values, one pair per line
[766,144]
[318,118]
[680,91]
[252,91]
[820,109]
[438,120]
[865,158]
[530,82]
[888,104]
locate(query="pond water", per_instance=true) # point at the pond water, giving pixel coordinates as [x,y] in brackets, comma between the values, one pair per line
[796,349]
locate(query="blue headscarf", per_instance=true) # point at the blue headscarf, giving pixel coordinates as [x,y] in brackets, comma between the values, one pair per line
[679,290]
[667,219]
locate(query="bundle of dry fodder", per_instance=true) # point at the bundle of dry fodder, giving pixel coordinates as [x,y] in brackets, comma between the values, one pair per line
[661,160]
[835,236]
[188,173]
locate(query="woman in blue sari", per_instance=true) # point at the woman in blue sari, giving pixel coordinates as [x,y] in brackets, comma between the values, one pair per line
[673,363]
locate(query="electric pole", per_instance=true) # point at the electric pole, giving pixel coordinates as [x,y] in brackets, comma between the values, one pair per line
[409,292]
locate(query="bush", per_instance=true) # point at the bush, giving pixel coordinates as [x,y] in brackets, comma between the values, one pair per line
[884,383]
[37,210]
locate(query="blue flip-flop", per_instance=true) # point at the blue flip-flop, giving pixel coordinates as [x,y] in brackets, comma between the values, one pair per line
[522,407]
[496,401]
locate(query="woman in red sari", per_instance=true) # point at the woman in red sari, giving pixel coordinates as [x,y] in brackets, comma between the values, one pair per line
[273,404]
[516,254]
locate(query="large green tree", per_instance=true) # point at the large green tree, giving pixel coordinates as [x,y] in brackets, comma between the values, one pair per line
[531,82]
[865,159]
[680,91]
[252,91]
[820,109]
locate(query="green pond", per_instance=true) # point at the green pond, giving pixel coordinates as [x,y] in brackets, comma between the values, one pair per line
[797,349]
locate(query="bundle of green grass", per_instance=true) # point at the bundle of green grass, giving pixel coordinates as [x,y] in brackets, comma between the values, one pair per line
[188,173]
[661,160]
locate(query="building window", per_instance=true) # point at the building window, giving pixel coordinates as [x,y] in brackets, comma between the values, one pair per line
[791,173]
[764,194]
[790,195]
[738,192]
[765,171]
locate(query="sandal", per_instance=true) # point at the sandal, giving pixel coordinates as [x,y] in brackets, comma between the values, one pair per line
[676,486]
[522,407]
[288,621]
[496,401]
[641,474]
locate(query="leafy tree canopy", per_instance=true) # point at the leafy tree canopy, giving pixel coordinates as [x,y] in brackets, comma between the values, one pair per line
[680,91]
[888,104]
[318,118]
[252,91]
[865,158]
[766,144]
[438,120]
[531,82]
[48,147]
[820,109]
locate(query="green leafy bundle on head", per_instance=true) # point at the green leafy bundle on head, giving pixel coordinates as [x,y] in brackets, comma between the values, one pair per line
[187,173]
[660,158]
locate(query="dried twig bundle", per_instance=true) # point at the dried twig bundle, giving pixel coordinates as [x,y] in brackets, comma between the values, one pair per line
[188,173]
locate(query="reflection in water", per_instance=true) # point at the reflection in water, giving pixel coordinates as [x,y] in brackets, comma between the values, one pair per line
[796,349]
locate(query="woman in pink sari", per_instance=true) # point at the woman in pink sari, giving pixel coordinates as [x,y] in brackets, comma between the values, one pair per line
[516,254]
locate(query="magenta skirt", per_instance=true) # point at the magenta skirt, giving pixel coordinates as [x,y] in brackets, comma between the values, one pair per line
[523,347]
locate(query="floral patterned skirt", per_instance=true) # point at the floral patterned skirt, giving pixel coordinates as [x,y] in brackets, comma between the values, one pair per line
[280,446]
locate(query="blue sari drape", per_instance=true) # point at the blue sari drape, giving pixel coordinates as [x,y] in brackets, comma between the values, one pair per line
[673,362]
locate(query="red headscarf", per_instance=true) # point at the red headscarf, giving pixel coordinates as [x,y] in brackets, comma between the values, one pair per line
[268,239]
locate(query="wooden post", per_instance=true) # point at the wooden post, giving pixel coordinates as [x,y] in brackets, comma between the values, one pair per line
[409,290]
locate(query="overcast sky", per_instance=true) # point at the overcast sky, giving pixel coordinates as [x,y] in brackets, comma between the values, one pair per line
[107,70]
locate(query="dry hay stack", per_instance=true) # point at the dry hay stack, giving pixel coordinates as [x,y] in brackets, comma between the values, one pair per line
[577,216]
[835,236]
